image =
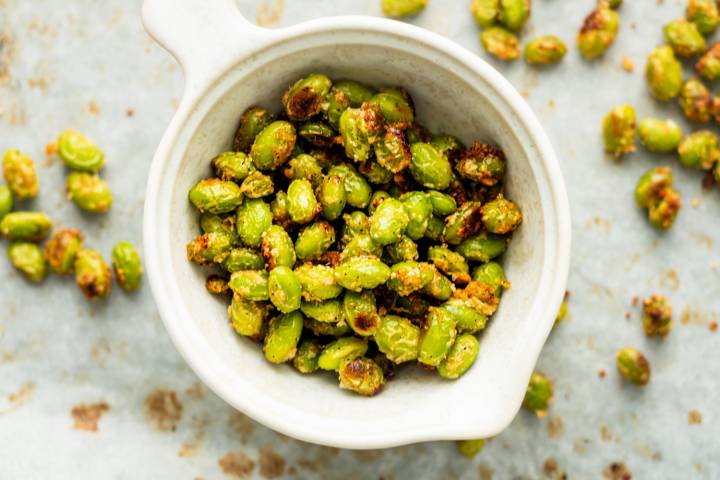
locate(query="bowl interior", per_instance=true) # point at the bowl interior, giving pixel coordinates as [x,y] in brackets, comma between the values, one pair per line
[450,97]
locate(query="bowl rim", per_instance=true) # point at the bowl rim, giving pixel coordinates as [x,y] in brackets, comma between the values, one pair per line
[263,413]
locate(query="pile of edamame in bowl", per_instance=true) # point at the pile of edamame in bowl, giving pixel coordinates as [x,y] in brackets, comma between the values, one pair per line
[348,239]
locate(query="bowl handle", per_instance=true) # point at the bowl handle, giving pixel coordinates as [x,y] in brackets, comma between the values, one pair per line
[205,36]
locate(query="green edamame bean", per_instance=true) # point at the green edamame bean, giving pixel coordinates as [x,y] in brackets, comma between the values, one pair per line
[598,32]
[460,357]
[429,167]
[302,204]
[708,66]
[402,8]
[89,192]
[355,223]
[663,73]
[304,99]
[361,244]
[273,145]
[437,337]
[684,38]
[216,285]
[466,318]
[544,50]
[282,337]
[482,163]
[79,152]
[25,226]
[284,289]
[344,94]
[442,203]
[210,223]
[447,145]
[361,273]
[396,107]
[20,174]
[514,13]
[463,223]
[419,209]
[696,102]
[127,266]
[361,375]
[317,133]
[257,185]
[661,136]
[633,366]
[482,247]
[389,222]
[450,263]
[360,312]
[250,285]
[304,166]
[651,184]
[492,274]
[501,216]
[435,229]
[314,240]
[346,348]
[318,282]
[398,338]
[485,12]
[247,317]
[699,150]
[392,151]
[357,189]
[322,329]
[307,355]
[215,196]
[92,274]
[360,128]
[279,209]
[403,250]
[375,173]
[209,248]
[277,247]
[252,122]
[408,277]
[6,200]
[332,196]
[61,249]
[377,198]
[253,219]
[619,130]
[500,43]
[470,448]
[327,311]
[28,259]
[439,287]
[704,14]
[539,394]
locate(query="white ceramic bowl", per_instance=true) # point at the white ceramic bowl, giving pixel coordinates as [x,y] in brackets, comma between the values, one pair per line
[229,65]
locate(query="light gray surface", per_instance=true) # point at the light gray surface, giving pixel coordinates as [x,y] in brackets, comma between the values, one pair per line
[84,63]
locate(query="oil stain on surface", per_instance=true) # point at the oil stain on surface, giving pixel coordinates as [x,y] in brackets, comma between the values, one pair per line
[163,410]
[86,416]
[236,464]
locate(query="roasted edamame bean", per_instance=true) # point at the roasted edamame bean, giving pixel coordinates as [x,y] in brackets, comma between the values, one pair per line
[360,312]
[127,266]
[61,249]
[28,259]
[437,338]
[252,122]
[6,200]
[362,376]
[398,338]
[216,196]
[92,274]
[79,152]
[633,366]
[460,357]
[25,226]
[539,394]
[346,348]
[284,289]
[20,174]
[282,337]
[598,32]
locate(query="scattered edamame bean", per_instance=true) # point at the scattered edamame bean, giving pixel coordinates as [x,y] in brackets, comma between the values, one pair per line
[127,266]
[660,136]
[619,130]
[6,200]
[598,32]
[544,50]
[28,259]
[25,226]
[663,73]
[62,248]
[539,394]
[657,316]
[20,174]
[708,66]
[500,43]
[684,38]
[402,8]
[696,102]
[79,152]
[92,274]
[704,14]
[633,366]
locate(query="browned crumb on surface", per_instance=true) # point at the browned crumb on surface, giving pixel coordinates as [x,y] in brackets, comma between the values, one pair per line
[196,391]
[86,416]
[268,14]
[51,148]
[525,93]
[617,471]
[695,202]
[130,112]
[600,223]
[485,472]
[690,316]
[555,426]
[605,433]
[601,372]
[627,64]
[236,464]
[694,417]
[93,108]
[552,470]
[713,326]
[628,315]
[272,465]
[551,104]
[163,409]
[242,425]
[7,55]
[635,301]
[19,398]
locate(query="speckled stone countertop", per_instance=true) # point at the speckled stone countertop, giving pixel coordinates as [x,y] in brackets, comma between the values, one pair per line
[92,391]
